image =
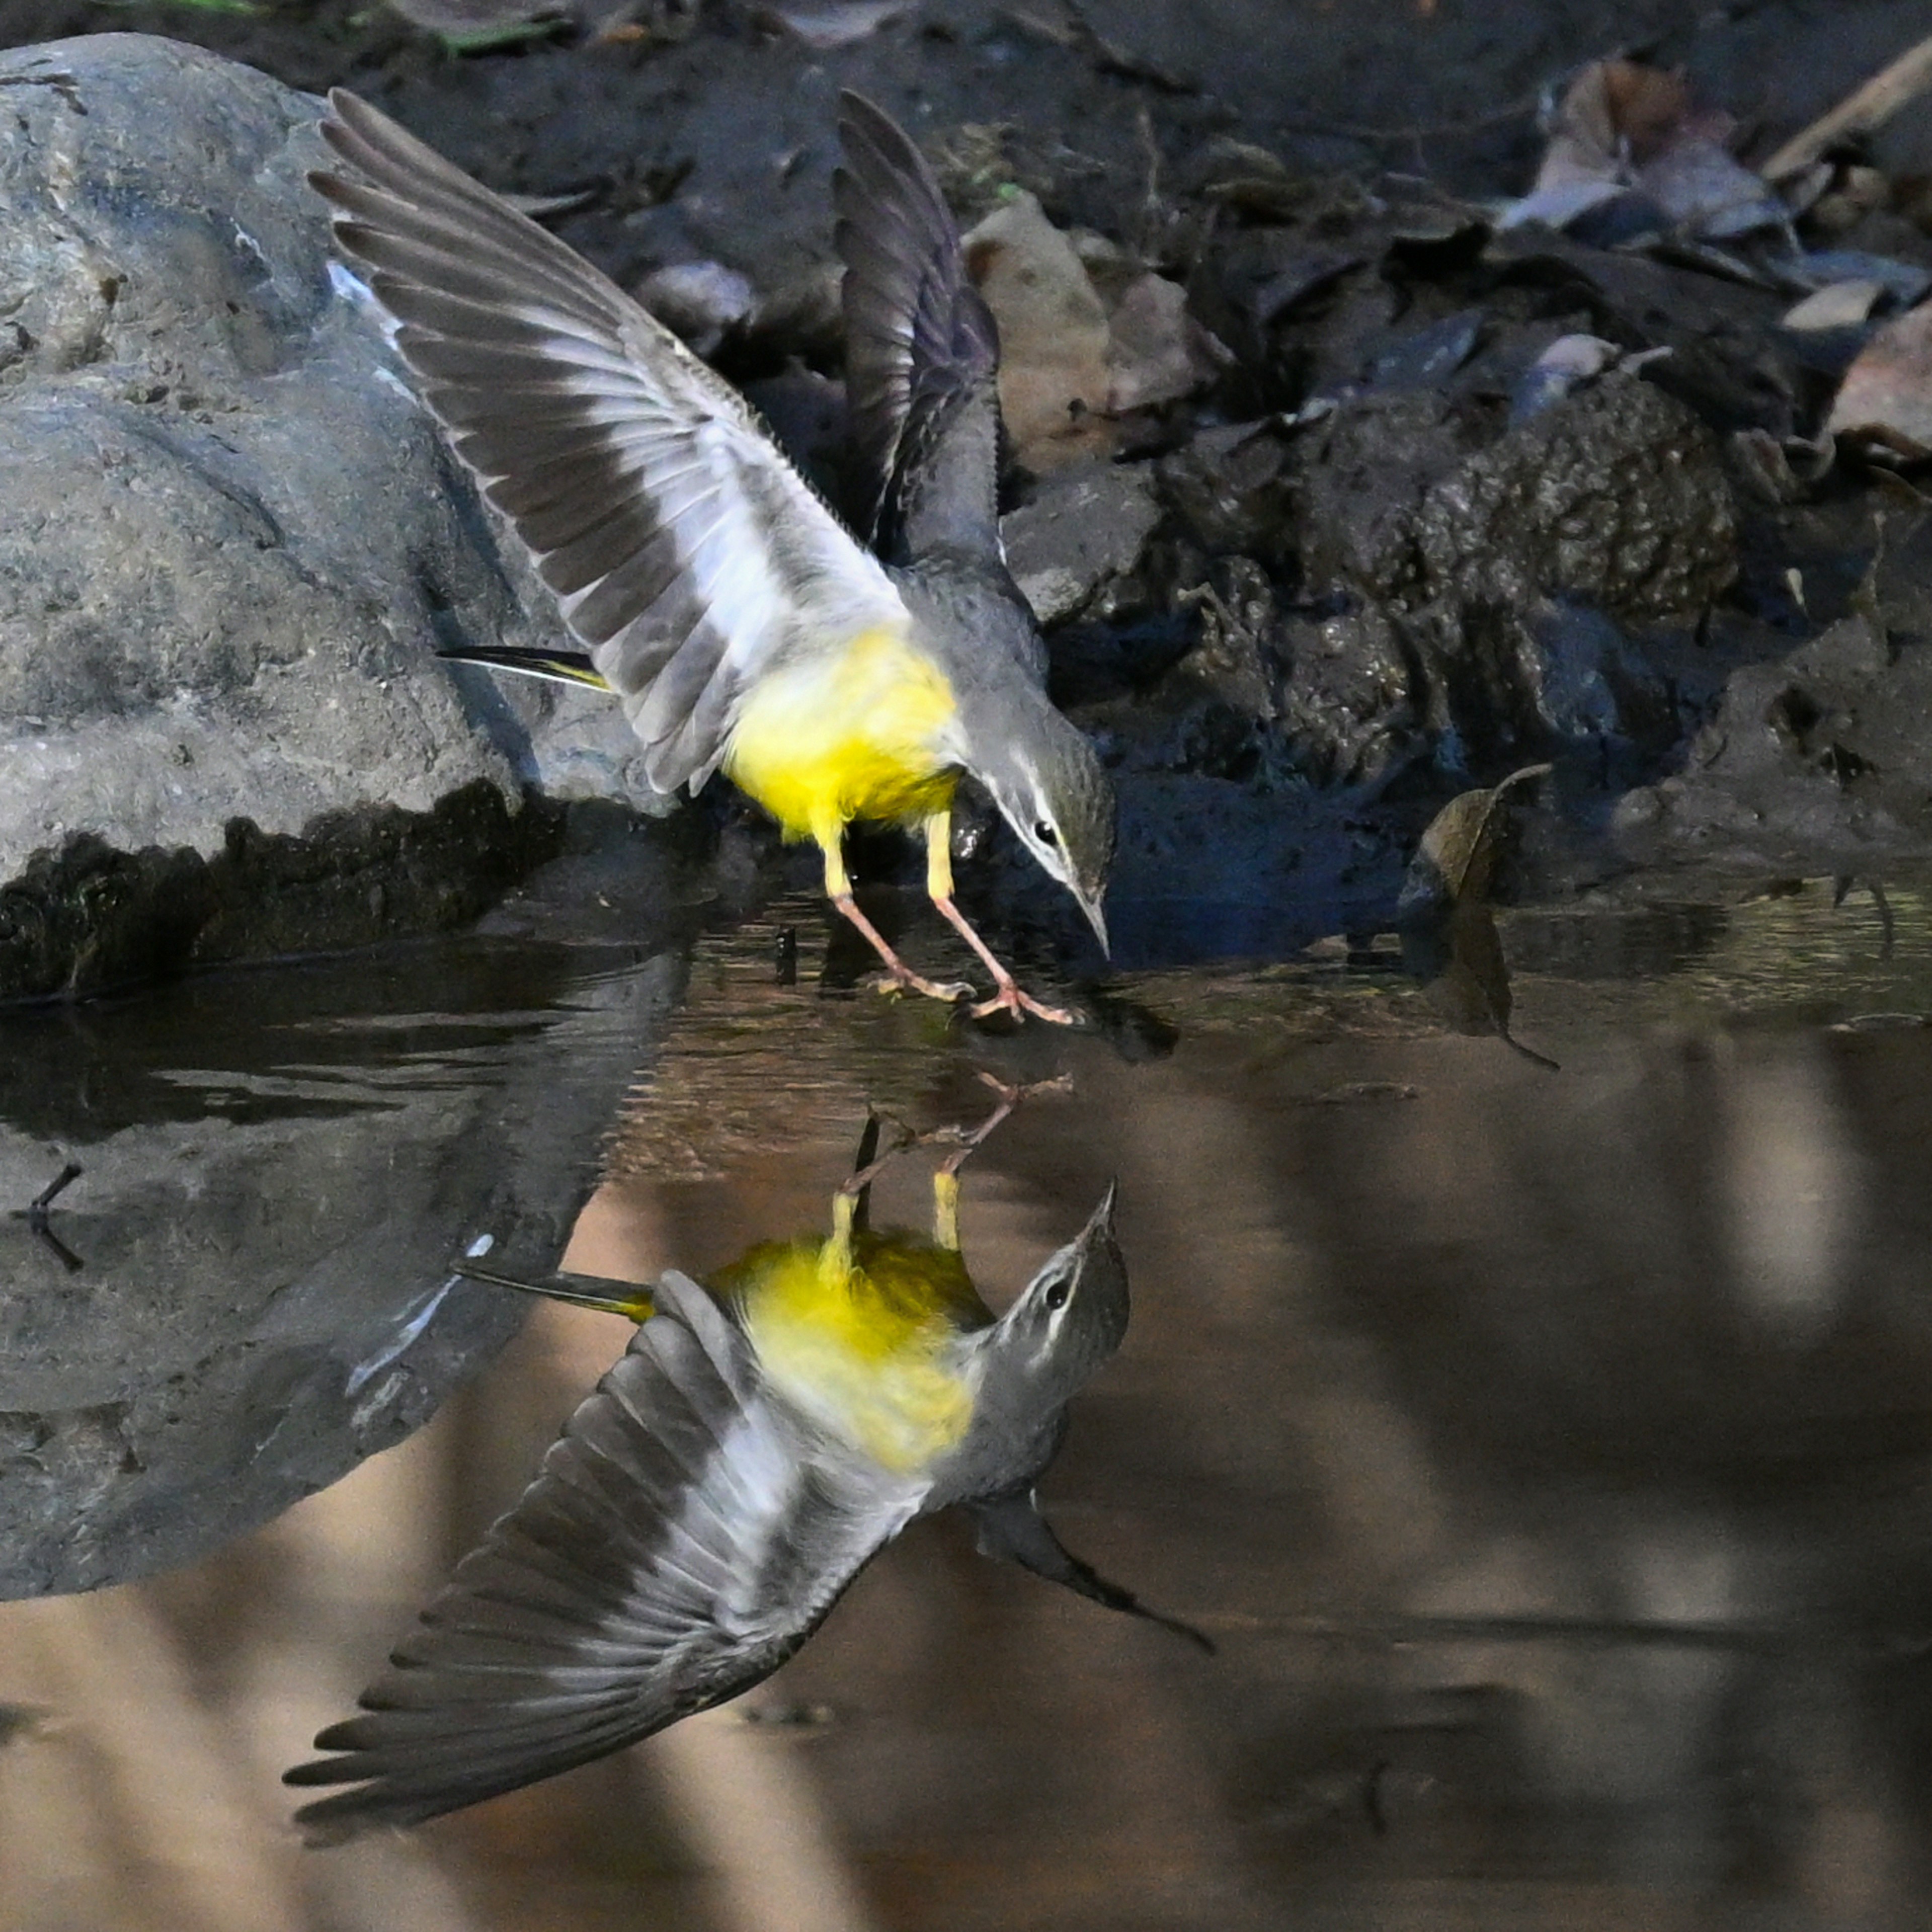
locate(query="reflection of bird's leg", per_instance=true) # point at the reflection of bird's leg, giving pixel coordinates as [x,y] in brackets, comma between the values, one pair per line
[966,1139]
[838,890]
[1006,993]
[869,1163]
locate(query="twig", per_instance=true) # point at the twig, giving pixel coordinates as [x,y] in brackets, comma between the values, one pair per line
[1870,107]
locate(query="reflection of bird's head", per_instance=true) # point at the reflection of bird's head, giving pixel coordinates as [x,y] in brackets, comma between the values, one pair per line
[1048,782]
[1069,1320]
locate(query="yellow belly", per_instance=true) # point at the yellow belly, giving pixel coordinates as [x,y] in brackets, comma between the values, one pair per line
[858,1341]
[856,736]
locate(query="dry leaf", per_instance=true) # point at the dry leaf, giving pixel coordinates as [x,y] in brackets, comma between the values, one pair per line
[1886,396]
[1457,856]
[1450,942]
[1156,353]
[1839,305]
[1625,127]
[1054,379]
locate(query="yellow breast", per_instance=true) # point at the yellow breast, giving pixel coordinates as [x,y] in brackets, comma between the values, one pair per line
[855,1335]
[857,734]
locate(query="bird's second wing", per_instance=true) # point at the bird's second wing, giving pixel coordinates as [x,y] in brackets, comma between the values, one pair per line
[681,1541]
[685,552]
[922,350]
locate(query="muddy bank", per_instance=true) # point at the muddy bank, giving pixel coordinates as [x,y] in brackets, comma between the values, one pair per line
[1343,483]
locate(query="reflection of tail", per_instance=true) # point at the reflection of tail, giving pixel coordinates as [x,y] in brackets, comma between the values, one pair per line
[1515,1045]
[619,1298]
[1012,1527]
[560,667]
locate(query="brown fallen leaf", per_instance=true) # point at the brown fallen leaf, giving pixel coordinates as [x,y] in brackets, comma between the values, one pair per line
[1837,305]
[1054,380]
[1450,942]
[1885,399]
[1456,858]
[1625,126]
[1156,351]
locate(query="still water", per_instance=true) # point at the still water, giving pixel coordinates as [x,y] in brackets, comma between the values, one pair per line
[1548,1451]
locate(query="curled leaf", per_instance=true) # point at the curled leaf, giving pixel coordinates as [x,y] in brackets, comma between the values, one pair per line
[1450,943]
[1456,858]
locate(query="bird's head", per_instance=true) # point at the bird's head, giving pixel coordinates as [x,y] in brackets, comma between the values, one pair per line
[1051,788]
[1070,1317]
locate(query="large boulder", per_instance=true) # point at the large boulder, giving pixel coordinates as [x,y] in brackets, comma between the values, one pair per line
[231,543]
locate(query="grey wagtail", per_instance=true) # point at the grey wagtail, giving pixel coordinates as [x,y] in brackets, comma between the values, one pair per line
[744,629]
[759,1442]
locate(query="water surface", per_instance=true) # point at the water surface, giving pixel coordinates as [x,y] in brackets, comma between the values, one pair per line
[1547,1450]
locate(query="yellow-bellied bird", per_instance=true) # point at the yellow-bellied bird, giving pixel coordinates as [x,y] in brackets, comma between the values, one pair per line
[742,626]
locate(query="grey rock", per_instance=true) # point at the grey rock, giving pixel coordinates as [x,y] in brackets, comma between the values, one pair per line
[231,540]
[1082,527]
[1487,587]
[1348,712]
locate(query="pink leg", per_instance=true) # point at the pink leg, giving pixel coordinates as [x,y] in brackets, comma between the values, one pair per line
[902,975]
[830,834]
[1006,994]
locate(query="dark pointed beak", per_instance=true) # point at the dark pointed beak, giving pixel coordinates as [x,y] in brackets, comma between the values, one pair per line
[1100,1223]
[1096,918]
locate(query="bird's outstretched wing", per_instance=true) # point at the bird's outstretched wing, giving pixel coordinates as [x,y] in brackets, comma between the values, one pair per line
[680,1543]
[686,553]
[922,350]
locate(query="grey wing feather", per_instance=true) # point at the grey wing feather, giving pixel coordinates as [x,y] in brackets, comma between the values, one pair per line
[921,349]
[685,554]
[680,1543]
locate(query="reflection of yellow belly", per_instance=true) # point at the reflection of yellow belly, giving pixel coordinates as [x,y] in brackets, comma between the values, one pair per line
[855,736]
[861,1345]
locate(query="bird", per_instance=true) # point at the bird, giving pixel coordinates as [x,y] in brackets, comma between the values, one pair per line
[743,626]
[762,1438]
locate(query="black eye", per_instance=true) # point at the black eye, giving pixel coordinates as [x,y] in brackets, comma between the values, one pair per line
[1045,834]
[1056,1295]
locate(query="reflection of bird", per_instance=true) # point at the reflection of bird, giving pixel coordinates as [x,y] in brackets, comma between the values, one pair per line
[740,623]
[704,1509]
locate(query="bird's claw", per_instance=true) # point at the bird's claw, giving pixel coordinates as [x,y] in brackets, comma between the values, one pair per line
[950,990]
[1010,999]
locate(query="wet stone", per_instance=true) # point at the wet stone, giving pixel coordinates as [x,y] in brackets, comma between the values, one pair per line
[1616,496]
[1229,488]
[1361,481]
[197,646]
[1080,529]
[1347,710]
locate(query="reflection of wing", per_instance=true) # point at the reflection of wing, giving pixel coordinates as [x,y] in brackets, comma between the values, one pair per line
[678,1545]
[922,351]
[686,553]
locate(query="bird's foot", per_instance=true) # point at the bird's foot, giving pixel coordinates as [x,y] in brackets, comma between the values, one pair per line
[905,980]
[1009,998]
[964,1141]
